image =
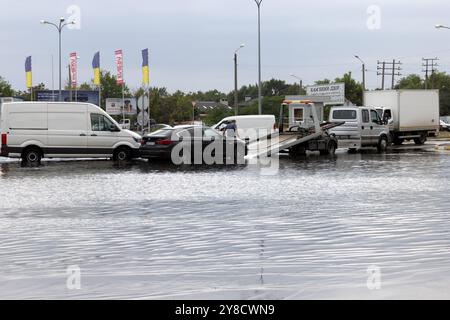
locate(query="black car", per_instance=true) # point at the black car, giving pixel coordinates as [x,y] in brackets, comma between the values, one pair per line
[193,145]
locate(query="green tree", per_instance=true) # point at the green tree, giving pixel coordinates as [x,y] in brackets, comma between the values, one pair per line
[413,81]
[353,89]
[5,88]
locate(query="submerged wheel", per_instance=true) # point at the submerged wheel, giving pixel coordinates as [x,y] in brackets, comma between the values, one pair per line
[330,149]
[421,140]
[122,154]
[382,144]
[32,155]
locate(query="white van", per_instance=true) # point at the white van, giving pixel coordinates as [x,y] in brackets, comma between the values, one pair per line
[251,127]
[363,127]
[33,130]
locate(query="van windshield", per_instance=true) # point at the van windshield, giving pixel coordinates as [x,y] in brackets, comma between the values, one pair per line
[344,114]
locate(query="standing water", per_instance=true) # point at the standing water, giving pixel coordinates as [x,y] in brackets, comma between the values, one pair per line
[317,229]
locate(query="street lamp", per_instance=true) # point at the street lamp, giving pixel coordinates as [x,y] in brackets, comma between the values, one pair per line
[440,26]
[258,3]
[59,27]
[363,75]
[235,80]
[300,81]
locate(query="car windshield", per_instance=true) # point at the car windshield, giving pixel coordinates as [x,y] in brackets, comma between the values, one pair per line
[344,114]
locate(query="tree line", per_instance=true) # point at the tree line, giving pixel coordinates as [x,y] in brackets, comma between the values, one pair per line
[177,107]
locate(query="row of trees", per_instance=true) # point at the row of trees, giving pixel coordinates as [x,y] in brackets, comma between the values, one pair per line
[176,107]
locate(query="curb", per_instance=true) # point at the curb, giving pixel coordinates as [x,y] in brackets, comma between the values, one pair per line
[443,148]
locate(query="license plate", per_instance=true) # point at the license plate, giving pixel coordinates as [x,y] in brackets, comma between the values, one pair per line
[150,143]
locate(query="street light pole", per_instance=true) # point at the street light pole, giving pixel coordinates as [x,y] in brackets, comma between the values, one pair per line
[236,81]
[363,76]
[258,3]
[299,83]
[59,27]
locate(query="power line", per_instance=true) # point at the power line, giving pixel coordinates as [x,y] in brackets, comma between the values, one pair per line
[386,68]
[428,63]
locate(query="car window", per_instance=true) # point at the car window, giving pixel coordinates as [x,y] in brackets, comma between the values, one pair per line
[100,123]
[161,132]
[365,116]
[210,133]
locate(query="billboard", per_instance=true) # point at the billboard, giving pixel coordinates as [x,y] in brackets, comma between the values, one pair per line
[89,96]
[114,106]
[335,91]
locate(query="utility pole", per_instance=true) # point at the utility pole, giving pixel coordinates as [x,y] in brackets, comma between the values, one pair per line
[429,64]
[236,102]
[388,69]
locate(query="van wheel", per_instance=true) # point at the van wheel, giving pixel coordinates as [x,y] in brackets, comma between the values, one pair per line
[421,140]
[32,155]
[122,154]
[382,144]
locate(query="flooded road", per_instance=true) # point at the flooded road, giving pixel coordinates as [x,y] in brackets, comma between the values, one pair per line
[147,231]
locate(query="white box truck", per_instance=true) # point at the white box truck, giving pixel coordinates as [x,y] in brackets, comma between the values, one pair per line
[410,114]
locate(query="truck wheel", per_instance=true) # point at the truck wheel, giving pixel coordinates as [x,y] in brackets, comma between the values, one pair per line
[421,140]
[330,150]
[32,155]
[122,154]
[382,144]
[298,150]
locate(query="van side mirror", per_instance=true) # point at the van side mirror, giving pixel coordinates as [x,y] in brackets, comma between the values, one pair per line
[114,128]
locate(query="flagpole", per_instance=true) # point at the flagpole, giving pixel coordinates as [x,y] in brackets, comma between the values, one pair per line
[148,111]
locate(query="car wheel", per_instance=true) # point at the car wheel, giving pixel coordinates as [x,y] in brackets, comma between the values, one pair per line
[122,154]
[32,155]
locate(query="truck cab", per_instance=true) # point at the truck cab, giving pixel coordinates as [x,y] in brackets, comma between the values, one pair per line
[363,127]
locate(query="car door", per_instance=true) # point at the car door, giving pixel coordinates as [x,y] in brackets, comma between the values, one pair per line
[366,127]
[376,126]
[101,139]
[217,141]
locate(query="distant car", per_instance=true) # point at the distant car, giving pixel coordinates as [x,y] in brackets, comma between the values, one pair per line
[159,144]
[444,125]
[125,124]
[251,127]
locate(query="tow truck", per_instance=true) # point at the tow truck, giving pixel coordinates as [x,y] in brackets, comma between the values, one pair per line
[303,132]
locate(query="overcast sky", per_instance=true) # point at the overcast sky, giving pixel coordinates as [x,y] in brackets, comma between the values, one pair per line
[191,42]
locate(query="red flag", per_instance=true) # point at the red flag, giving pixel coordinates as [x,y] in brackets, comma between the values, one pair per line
[119,64]
[73,69]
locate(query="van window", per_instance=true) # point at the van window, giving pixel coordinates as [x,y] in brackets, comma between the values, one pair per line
[365,116]
[100,123]
[344,114]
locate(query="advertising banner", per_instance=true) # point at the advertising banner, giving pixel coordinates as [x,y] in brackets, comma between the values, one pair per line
[73,69]
[335,91]
[119,65]
[115,106]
